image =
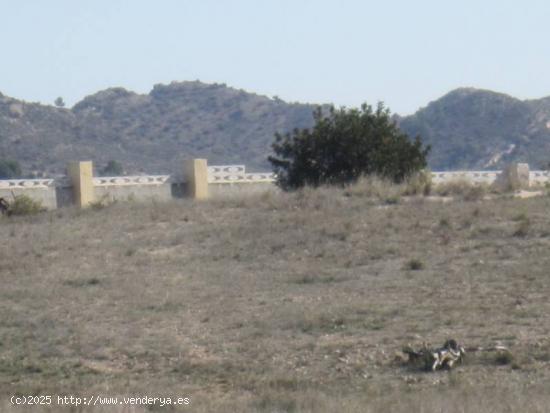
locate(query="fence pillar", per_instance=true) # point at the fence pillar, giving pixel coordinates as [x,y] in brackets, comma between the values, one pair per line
[80,174]
[514,176]
[196,176]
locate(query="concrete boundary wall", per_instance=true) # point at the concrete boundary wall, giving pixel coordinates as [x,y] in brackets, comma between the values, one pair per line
[197,180]
[133,188]
[539,178]
[236,174]
[26,183]
[43,190]
[79,187]
[476,177]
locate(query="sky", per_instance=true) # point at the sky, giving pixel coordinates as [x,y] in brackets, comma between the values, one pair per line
[404,53]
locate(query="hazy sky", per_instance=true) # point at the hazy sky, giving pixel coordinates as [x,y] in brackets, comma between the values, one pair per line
[402,52]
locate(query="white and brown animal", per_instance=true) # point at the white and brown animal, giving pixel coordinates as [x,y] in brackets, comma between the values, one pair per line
[433,359]
[448,355]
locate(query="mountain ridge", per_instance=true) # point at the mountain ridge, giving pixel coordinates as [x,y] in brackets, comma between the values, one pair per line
[468,128]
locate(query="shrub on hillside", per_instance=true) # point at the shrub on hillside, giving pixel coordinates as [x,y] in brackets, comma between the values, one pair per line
[9,169]
[113,168]
[345,145]
[25,205]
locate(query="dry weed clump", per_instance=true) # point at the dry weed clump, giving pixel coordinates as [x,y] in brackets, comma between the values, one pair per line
[419,184]
[103,202]
[387,192]
[462,189]
[24,205]
[379,190]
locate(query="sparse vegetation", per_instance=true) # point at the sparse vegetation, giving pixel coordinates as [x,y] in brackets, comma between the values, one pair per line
[523,226]
[231,126]
[379,189]
[419,183]
[102,202]
[25,205]
[182,119]
[454,123]
[295,302]
[463,189]
[113,168]
[10,169]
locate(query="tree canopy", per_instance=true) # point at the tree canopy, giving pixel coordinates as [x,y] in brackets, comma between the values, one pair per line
[344,145]
[59,102]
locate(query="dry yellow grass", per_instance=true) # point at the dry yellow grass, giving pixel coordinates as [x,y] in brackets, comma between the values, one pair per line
[284,302]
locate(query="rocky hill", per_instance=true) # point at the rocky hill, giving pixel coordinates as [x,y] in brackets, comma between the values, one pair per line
[467,128]
[478,129]
[150,133]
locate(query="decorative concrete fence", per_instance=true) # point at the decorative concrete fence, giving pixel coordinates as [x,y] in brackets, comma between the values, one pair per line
[81,188]
[476,177]
[233,180]
[231,174]
[44,190]
[197,180]
[514,176]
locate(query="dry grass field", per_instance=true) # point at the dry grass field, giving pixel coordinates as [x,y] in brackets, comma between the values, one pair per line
[279,303]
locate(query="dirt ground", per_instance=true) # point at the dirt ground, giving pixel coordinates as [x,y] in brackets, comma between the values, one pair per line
[283,302]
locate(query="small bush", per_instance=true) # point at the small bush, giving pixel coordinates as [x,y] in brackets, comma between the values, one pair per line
[25,205]
[522,230]
[504,358]
[414,265]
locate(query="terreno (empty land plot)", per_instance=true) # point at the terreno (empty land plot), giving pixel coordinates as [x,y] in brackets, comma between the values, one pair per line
[279,302]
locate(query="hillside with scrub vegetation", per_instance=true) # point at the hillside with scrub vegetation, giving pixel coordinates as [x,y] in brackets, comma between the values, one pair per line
[152,133]
[281,302]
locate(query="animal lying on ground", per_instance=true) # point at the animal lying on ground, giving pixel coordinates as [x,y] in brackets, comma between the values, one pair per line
[444,357]
[448,355]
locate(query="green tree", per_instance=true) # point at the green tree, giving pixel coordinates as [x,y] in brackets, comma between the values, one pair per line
[113,168]
[344,145]
[59,102]
[9,169]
